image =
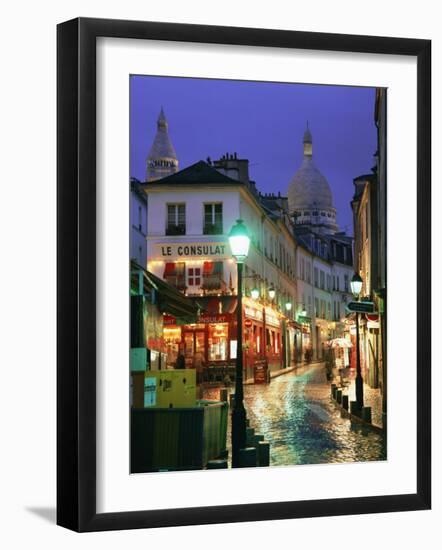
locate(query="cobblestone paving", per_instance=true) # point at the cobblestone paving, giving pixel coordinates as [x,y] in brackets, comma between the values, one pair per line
[373,399]
[296,416]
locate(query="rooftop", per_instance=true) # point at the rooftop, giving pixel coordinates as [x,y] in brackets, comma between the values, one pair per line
[197,174]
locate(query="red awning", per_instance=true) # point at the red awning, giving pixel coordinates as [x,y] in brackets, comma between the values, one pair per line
[169,270]
[207,268]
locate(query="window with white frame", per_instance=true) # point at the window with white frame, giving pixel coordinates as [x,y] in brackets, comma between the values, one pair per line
[194,277]
[176,219]
[213,219]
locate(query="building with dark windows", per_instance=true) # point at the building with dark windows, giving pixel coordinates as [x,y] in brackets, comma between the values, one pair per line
[310,199]
[299,266]
[138,223]
[190,214]
[324,254]
[369,219]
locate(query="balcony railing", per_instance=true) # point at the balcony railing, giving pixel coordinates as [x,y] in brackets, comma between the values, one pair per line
[213,282]
[176,230]
[213,229]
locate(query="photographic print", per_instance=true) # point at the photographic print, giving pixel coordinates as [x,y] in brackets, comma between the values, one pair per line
[222,274]
[257,274]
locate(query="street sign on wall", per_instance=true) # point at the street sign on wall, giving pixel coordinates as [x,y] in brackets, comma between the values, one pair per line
[360,307]
[304,319]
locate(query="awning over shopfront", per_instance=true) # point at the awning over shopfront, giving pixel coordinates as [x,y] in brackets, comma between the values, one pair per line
[174,274]
[212,275]
[217,304]
[167,298]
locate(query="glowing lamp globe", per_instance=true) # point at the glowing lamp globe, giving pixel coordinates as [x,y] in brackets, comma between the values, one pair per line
[356,285]
[254,293]
[288,306]
[239,241]
[272,293]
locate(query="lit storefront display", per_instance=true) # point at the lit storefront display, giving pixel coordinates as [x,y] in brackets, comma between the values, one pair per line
[208,341]
[218,342]
[204,271]
[213,339]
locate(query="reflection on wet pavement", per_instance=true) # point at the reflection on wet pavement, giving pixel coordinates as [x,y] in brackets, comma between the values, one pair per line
[297,417]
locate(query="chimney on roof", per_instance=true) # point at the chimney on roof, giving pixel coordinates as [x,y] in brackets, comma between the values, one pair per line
[233,167]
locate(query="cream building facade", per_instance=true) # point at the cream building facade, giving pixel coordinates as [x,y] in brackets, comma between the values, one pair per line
[190,214]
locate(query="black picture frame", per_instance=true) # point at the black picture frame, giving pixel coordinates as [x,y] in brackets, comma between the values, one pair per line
[76,274]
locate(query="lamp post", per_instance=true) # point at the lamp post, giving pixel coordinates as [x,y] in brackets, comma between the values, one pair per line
[239,241]
[255,293]
[356,287]
[303,314]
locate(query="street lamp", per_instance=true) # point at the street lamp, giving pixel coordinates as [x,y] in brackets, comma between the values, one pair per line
[254,293]
[288,306]
[272,292]
[356,287]
[239,241]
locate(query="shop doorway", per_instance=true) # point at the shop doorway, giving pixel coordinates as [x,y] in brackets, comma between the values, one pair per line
[194,342]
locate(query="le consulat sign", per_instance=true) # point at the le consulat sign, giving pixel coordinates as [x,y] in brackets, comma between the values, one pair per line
[195,250]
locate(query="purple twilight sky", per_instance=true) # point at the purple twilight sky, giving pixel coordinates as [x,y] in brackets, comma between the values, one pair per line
[261,121]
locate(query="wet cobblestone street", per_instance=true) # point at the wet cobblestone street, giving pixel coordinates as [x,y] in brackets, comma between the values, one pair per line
[297,417]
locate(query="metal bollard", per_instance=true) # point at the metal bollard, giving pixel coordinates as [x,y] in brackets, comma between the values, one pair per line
[366,414]
[263,453]
[250,434]
[333,390]
[345,402]
[217,464]
[354,409]
[339,396]
[247,457]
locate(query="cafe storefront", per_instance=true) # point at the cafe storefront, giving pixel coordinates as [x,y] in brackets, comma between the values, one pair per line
[269,342]
[263,339]
[211,341]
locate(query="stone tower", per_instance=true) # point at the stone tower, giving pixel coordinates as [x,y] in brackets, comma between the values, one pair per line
[162,160]
[310,198]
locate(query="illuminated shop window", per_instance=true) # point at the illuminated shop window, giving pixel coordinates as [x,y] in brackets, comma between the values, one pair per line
[218,342]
